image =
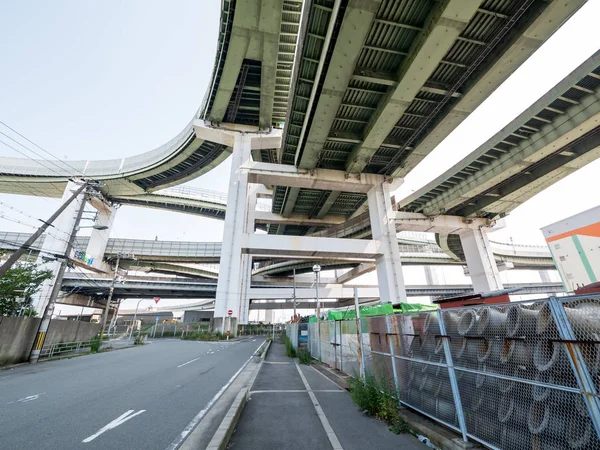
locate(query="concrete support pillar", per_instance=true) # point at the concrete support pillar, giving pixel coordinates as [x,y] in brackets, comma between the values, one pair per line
[431,277]
[231,268]
[480,260]
[55,243]
[269,316]
[99,238]
[383,226]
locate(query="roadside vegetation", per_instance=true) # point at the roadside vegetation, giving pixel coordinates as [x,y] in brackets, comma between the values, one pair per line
[377,399]
[204,336]
[304,356]
[289,347]
[17,287]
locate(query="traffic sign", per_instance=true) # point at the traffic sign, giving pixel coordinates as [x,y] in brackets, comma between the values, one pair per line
[156,299]
[229,312]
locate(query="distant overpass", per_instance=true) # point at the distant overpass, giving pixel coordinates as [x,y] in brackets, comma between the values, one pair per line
[159,256]
[146,287]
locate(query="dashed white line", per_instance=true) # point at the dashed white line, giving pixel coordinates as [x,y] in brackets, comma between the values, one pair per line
[191,361]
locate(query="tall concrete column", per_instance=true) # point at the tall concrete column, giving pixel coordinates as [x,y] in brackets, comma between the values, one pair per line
[99,238]
[55,243]
[431,277]
[383,226]
[230,282]
[480,260]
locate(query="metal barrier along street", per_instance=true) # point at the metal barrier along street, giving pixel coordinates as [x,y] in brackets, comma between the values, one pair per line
[521,375]
[65,347]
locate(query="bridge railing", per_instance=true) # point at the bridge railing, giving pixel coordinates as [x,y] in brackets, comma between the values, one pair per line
[515,375]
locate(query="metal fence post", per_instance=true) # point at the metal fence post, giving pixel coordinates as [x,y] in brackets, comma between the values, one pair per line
[393,353]
[452,375]
[341,347]
[580,369]
[163,331]
[361,358]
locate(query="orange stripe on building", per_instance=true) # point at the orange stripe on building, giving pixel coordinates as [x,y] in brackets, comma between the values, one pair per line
[589,230]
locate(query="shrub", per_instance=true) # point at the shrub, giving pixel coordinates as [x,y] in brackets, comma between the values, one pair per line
[289,347]
[95,345]
[377,399]
[304,356]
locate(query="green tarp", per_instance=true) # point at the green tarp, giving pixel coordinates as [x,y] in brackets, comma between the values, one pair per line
[375,310]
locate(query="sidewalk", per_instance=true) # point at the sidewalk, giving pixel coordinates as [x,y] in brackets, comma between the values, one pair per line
[293,406]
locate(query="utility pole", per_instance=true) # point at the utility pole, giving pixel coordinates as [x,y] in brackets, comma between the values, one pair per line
[16,255]
[45,323]
[110,296]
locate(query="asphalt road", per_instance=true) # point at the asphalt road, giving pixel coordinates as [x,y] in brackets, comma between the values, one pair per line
[77,403]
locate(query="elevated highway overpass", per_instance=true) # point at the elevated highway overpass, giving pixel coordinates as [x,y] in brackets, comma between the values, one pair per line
[97,288]
[376,87]
[162,256]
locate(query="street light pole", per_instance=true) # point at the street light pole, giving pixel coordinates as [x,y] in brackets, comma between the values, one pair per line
[134,317]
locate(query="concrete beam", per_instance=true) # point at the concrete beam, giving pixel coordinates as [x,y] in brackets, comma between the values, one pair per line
[325,292]
[406,221]
[445,23]
[323,179]
[225,134]
[356,272]
[303,246]
[297,219]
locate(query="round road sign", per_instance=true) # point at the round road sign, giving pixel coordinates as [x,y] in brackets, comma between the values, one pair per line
[229,312]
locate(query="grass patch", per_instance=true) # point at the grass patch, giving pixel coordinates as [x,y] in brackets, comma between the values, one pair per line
[377,400]
[289,347]
[304,356]
[95,345]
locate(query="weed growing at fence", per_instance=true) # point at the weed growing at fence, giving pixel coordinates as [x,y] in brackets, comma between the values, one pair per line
[95,345]
[304,356]
[289,347]
[376,399]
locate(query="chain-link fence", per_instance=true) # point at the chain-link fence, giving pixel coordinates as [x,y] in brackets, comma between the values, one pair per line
[517,375]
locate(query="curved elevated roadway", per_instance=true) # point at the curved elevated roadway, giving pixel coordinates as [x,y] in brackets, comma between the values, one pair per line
[376,87]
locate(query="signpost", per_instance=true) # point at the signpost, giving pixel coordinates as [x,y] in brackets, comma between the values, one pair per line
[155,326]
[229,312]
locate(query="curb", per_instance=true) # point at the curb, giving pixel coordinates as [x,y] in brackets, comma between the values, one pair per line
[221,438]
[225,430]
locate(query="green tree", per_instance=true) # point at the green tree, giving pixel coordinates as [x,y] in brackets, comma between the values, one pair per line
[18,285]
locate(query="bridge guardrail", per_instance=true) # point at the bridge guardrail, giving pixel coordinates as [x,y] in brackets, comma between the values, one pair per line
[516,375]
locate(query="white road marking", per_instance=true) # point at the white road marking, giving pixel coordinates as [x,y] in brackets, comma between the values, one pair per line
[27,399]
[115,423]
[333,439]
[196,420]
[191,361]
[325,376]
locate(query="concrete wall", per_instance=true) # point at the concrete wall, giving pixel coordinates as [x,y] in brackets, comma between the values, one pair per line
[197,316]
[16,338]
[18,333]
[70,331]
